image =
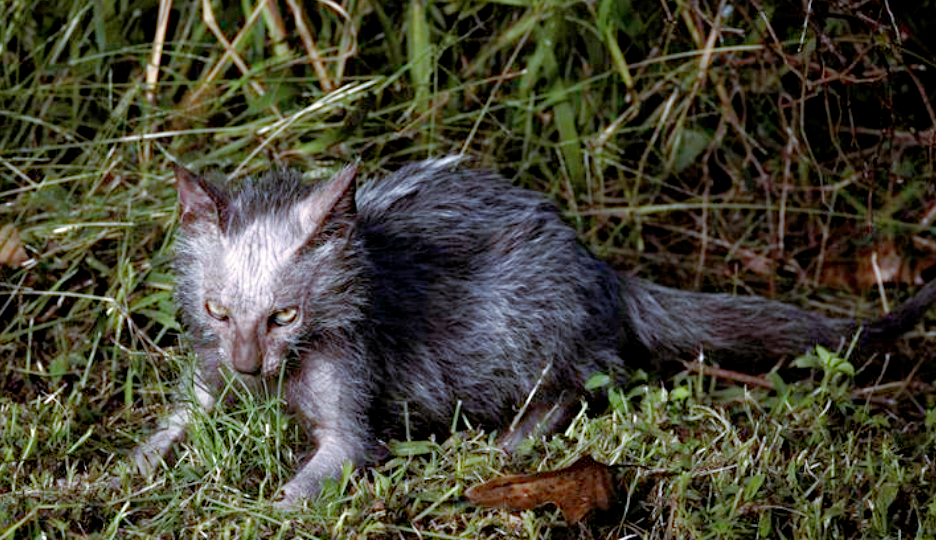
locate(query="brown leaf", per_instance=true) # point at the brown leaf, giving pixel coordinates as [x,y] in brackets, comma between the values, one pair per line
[12,252]
[883,261]
[576,490]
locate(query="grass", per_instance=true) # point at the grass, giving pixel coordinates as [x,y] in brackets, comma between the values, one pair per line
[751,148]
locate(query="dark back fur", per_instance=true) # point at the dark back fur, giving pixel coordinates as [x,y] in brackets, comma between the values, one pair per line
[472,297]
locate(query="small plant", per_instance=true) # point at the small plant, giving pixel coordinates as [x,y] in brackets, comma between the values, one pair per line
[837,373]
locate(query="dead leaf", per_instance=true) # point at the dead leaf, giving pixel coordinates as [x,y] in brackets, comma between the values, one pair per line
[883,261]
[576,490]
[12,252]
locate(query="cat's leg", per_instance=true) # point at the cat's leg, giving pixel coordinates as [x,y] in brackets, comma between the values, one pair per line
[330,403]
[150,453]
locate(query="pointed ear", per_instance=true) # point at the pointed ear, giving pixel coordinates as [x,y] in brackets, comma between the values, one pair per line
[331,204]
[198,200]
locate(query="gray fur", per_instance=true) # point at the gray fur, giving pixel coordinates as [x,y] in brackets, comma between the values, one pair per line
[433,290]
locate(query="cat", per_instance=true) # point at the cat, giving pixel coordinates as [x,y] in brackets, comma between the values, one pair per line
[435,290]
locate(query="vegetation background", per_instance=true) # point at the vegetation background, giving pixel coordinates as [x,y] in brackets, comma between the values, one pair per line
[781,148]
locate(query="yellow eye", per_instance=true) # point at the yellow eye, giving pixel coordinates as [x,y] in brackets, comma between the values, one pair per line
[216,310]
[285,316]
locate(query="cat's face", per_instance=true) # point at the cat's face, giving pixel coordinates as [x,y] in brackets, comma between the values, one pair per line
[245,300]
[243,286]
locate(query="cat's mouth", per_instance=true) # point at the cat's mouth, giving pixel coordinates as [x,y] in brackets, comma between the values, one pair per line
[240,386]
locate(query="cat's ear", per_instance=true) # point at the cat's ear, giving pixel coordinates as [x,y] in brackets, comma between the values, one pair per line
[330,204]
[198,199]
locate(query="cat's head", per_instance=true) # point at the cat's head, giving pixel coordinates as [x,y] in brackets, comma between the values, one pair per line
[258,267]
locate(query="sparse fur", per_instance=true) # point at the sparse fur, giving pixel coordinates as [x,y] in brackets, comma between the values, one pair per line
[435,289]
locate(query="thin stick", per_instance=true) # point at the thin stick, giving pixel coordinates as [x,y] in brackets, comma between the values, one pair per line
[152,68]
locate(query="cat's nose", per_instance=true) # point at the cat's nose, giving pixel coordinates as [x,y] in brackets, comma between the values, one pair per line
[247,366]
[246,356]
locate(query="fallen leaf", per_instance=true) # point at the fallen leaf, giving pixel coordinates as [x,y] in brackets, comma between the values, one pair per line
[576,490]
[880,262]
[12,252]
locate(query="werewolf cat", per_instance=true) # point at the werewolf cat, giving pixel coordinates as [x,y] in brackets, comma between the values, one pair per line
[436,289]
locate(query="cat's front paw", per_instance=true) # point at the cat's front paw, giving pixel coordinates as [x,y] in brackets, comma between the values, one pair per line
[145,459]
[292,495]
[151,453]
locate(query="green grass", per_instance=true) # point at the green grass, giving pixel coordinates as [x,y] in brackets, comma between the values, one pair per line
[764,152]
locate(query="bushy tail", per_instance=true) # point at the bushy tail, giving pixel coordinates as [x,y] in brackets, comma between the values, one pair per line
[738,331]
